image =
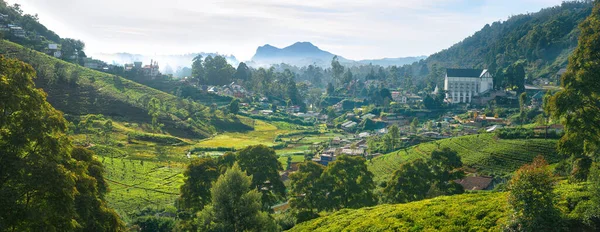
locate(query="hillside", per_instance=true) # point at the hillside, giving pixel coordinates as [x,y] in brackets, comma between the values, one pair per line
[485,153]
[475,212]
[76,90]
[479,211]
[544,40]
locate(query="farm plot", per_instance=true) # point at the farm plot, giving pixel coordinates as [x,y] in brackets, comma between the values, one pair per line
[485,153]
[137,184]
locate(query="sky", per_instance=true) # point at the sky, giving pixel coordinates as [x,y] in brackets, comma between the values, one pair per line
[354,29]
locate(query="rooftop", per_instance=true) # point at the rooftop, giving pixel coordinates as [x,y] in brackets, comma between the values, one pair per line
[464,72]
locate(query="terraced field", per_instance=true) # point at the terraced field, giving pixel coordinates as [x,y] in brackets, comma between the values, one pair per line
[136,184]
[484,152]
[479,211]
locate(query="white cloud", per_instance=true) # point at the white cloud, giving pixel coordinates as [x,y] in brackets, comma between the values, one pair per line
[352,28]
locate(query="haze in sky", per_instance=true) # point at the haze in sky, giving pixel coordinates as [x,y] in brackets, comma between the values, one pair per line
[351,28]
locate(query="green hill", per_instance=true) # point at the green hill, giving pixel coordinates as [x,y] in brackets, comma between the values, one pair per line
[478,211]
[76,90]
[466,212]
[543,40]
[484,152]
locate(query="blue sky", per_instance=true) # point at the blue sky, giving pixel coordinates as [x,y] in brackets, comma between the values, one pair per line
[351,28]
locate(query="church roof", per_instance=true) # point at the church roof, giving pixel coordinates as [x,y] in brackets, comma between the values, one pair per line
[464,72]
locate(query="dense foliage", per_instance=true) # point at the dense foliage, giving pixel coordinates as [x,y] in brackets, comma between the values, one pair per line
[45,184]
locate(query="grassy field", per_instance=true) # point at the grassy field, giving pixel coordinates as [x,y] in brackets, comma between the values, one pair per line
[484,152]
[479,211]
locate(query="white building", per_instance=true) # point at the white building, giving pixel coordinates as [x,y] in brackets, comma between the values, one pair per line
[461,85]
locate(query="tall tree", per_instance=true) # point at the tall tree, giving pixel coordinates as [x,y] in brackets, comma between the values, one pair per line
[350,183]
[306,188]
[532,198]
[195,191]
[577,105]
[409,183]
[337,70]
[261,163]
[235,206]
[198,72]
[42,188]
[234,106]
[217,70]
[243,72]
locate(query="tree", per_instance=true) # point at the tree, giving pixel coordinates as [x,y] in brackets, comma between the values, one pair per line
[421,179]
[409,183]
[72,50]
[306,188]
[243,72]
[234,106]
[394,132]
[198,72]
[337,70]
[531,199]
[93,213]
[330,89]
[444,166]
[576,105]
[195,191]
[414,125]
[349,183]
[235,205]
[217,71]
[522,107]
[106,130]
[154,109]
[42,187]
[261,163]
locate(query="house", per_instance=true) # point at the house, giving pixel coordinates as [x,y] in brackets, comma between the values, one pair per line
[382,131]
[483,118]
[266,112]
[349,125]
[461,85]
[93,64]
[476,183]
[369,116]
[432,134]
[364,135]
[151,70]
[353,152]
[17,31]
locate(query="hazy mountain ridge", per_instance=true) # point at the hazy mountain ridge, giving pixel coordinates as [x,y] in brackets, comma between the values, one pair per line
[305,53]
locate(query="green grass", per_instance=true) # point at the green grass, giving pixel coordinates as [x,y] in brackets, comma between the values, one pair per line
[484,152]
[475,211]
[466,212]
[263,133]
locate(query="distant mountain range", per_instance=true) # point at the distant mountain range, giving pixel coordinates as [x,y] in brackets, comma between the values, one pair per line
[305,53]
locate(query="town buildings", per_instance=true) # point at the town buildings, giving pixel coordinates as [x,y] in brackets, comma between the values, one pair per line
[461,85]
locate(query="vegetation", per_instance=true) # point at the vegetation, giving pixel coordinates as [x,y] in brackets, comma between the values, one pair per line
[478,211]
[484,152]
[37,157]
[531,199]
[79,91]
[420,179]
[235,206]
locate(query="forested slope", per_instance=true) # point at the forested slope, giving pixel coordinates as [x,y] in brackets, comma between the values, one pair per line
[542,41]
[78,91]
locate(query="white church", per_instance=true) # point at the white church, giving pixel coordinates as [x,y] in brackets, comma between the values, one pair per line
[461,85]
